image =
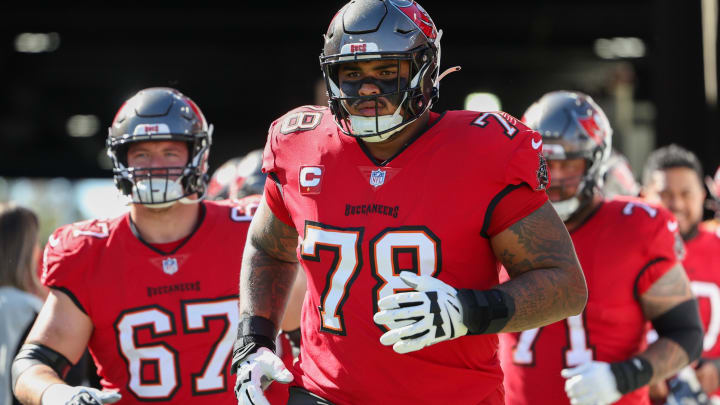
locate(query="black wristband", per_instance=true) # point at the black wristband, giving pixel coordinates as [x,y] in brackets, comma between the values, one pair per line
[485,311]
[254,332]
[631,374]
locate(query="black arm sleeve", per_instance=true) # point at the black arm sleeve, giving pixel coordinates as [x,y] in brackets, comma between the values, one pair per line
[682,325]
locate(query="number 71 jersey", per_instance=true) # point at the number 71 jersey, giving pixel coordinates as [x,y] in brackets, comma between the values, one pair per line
[623,248]
[429,210]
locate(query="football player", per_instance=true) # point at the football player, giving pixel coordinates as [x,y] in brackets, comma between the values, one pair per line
[630,253]
[673,176]
[150,292]
[618,178]
[400,217]
[239,177]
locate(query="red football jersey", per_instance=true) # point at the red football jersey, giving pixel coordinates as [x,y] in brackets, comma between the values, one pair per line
[164,324]
[431,210]
[702,263]
[624,247]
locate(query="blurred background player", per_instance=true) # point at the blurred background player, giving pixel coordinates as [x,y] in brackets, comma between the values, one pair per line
[629,252]
[239,177]
[356,185]
[673,176]
[713,204]
[618,179]
[148,291]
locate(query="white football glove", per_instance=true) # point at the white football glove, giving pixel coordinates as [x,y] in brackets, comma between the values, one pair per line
[592,383]
[428,315]
[61,394]
[256,373]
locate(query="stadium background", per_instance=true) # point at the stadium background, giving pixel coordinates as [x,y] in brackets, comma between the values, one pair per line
[66,68]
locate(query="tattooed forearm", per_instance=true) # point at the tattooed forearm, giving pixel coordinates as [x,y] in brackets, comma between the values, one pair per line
[546,283]
[666,358]
[269,266]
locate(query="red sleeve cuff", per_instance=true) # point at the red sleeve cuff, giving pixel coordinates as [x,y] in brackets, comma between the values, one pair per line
[651,273]
[509,206]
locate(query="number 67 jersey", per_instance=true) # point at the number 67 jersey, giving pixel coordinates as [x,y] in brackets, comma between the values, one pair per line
[430,210]
[164,324]
[624,247]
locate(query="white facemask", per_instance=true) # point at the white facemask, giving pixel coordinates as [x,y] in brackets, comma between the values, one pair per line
[165,192]
[362,125]
[566,208]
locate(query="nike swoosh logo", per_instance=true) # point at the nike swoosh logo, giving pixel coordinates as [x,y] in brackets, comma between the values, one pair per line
[53,241]
[672,226]
[537,144]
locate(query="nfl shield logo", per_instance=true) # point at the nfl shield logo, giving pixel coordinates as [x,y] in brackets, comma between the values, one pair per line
[170,265]
[377,178]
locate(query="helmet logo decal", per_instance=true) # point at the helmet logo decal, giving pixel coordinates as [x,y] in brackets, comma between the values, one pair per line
[149,129]
[418,15]
[592,128]
[358,47]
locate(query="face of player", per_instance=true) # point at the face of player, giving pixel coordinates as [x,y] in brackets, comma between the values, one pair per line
[158,154]
[371,78]
[679,190]
[566,176]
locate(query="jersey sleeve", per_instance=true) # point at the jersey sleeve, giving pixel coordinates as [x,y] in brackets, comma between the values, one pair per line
[65,260]
[664,249]
[525,179]
[274,200]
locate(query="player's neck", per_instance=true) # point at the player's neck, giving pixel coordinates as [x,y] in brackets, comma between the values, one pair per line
[167,224]
[383,151]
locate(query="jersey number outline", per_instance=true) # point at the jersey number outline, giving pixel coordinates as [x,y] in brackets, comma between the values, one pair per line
[196,315]
[579,350]
[704,289]
[508,129]
[384,255]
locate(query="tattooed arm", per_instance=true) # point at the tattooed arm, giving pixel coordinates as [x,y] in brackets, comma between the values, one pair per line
[546,281]
[665,355]
[269,266]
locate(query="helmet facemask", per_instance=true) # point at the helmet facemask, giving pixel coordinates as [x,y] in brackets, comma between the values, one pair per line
[412,93]
[160,187]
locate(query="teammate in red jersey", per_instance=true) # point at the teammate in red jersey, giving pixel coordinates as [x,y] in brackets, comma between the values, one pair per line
[673,176]
[376,197]
[629,251]
[147,292]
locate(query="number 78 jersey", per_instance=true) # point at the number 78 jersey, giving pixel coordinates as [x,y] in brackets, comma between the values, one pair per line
[623,248]
[429,210]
